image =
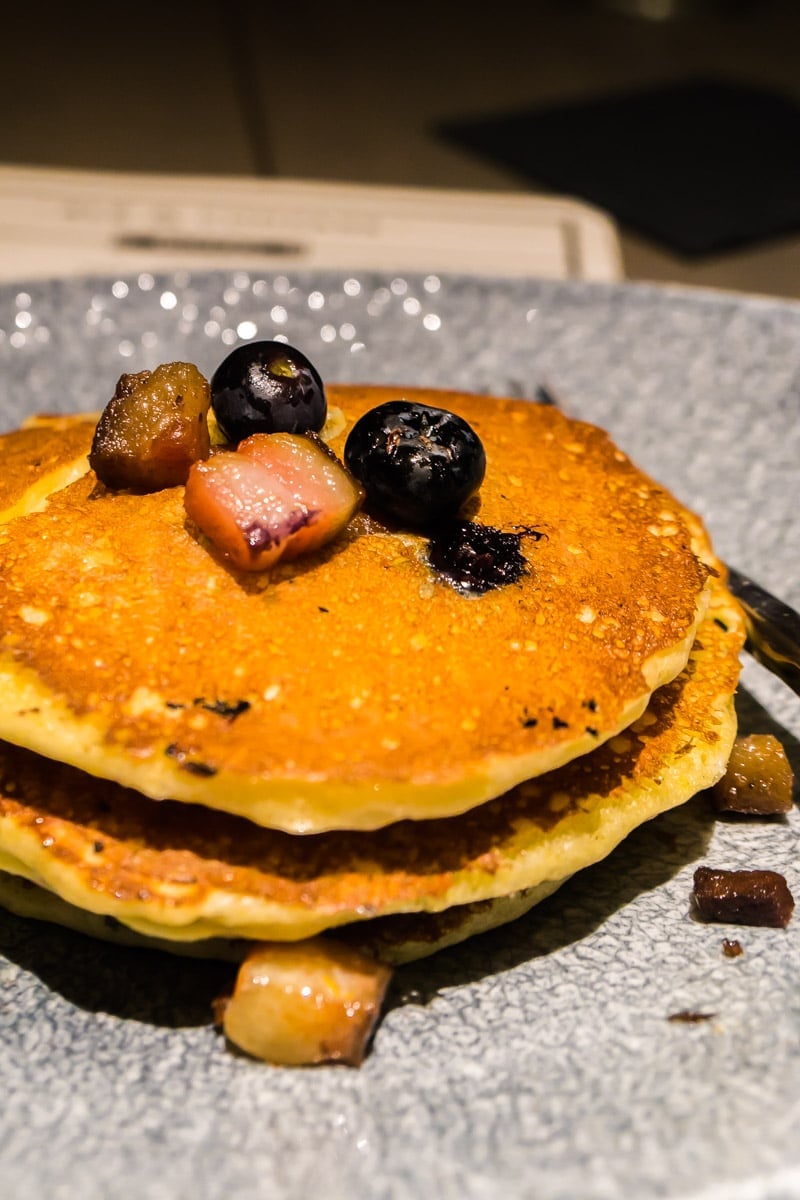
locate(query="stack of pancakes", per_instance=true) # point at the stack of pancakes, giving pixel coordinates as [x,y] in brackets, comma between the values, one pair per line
[198,758]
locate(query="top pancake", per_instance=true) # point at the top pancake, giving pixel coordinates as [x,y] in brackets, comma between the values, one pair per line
[43,456]
[352,687]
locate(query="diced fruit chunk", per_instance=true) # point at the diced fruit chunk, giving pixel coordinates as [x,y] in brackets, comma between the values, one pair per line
[759,778]
[312,474]
[261,503]
[248,515]
[153,429]
[299,1003]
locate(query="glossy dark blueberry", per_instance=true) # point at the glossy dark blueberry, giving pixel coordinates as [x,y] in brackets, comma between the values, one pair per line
[267,387]
[477,558]
[417,463]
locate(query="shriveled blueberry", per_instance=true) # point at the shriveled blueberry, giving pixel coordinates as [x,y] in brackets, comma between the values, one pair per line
[476,558]
[267,387]
[418,464]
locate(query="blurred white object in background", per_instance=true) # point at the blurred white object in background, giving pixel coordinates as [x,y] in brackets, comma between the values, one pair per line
[56,222]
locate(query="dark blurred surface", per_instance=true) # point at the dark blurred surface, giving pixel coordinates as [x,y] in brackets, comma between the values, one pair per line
[700,167]
[357,91]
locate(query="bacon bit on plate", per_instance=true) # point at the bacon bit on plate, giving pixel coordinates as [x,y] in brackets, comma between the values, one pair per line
[743,897]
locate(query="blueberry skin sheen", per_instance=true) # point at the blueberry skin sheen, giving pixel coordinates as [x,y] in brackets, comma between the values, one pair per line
[418,464]
[267,387]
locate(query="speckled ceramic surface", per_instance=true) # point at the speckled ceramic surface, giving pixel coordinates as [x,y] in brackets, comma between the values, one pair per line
[538,1061]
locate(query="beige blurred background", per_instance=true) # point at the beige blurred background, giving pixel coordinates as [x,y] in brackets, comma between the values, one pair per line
[350,92]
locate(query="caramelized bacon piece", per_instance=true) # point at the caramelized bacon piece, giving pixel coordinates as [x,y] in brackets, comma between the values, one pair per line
[300,1003]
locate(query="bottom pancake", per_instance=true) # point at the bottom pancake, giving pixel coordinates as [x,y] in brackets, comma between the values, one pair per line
[393,940]
[185,874]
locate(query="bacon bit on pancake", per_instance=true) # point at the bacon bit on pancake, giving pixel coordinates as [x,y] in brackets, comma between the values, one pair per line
[276,496]
[300,1003]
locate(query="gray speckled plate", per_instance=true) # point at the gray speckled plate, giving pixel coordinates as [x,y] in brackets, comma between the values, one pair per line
[536,1061]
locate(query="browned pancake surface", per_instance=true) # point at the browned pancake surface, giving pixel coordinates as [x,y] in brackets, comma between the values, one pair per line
[354,686]
[41,451]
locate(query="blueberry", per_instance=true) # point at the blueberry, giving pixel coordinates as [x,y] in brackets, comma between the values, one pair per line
[418,464]
[267,387]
